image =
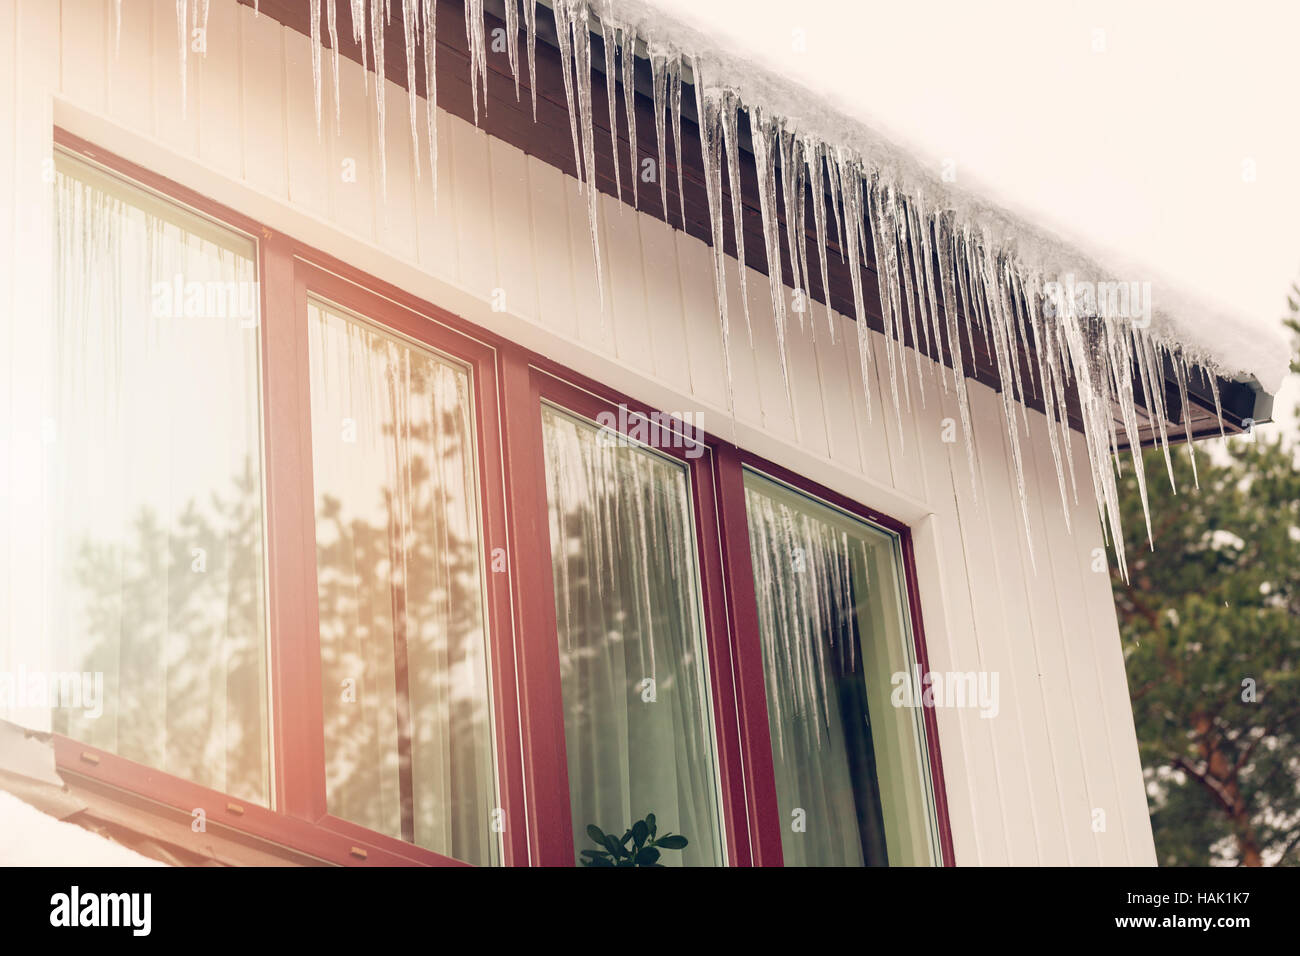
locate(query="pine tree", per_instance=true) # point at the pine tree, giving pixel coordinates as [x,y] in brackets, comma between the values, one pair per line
[1210,624]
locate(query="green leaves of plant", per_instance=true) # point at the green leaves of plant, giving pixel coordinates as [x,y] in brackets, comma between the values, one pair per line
[645,850]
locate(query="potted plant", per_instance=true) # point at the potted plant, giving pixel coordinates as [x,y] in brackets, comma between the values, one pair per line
[645,849]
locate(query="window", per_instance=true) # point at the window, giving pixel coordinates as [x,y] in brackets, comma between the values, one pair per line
[851,769]
[155,505]
[406,709]
[297,524]
[632,651]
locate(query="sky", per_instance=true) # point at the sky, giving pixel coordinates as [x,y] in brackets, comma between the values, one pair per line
[1164,132]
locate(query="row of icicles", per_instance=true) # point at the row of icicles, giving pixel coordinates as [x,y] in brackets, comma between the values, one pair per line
[936,274]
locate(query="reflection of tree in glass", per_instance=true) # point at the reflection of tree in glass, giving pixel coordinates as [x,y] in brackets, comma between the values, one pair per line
[183,651]
[409,751]
[174,619]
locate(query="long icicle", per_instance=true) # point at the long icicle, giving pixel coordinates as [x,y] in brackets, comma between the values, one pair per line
[430,41]
[659,74]
[675,106]
[512,40]
[628,54]
[564,17]
[711,155]
[314,13]
[530,27]
[763,136]
[333,24]
[609,34]
[582,70]
[730,109]
[410,33]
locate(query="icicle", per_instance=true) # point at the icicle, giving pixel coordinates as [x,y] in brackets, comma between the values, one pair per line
[800,216]
[564,38]
[945,247]
[918,275]
[315,60]
[512,40]
[377,51]
[609,34]
[1029,300]
[711,158]
[582,68]
[201,10]
[730,109]
[659,72]
[792,169]
[813,160]
[764,137]
[1153,392]
[882,236]
[833,179]
[333,24]
[628,55]
[357,11]
[850,177]
[922,231]
[1180,377]
[985,278]
[429,25]
[675,105]
[182,19]
[477,48]
[530,26]
[410,31]
[912,301]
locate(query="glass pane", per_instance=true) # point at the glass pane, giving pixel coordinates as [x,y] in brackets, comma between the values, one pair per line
[851,769]
[632,660]
[156,543]
[408,739]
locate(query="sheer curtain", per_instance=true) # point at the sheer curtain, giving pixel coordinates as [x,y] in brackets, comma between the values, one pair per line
[851,769]
[632,658]
[154,557]
[408,743]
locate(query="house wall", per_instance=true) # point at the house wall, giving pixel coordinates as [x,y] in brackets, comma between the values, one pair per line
[1023,787]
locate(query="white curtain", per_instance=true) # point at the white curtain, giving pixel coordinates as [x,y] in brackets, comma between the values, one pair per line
[154,557]
[404,667]
[851,769]
[636,710]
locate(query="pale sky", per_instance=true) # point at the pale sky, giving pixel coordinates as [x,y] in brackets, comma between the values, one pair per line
[1166,132]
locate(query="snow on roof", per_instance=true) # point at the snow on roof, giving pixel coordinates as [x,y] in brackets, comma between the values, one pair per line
[1235,345]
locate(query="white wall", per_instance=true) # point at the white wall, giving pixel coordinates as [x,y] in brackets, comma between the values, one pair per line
[1022,787]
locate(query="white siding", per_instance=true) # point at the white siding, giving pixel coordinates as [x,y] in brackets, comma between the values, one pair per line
[1022,787]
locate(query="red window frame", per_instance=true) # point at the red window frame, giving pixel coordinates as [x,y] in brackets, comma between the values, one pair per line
[509,385]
